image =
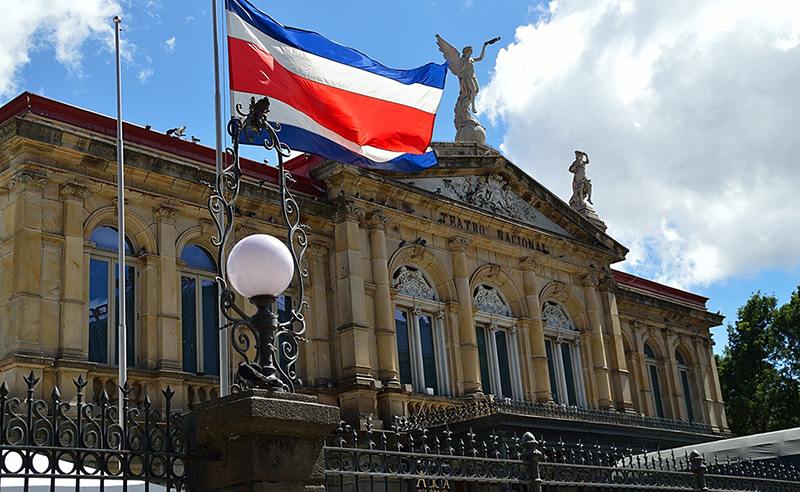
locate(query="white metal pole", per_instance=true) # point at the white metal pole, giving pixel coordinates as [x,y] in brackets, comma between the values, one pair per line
[121,280]
[224,363]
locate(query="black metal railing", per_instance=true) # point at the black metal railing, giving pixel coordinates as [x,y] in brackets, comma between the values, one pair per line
[423,461]
[490,406]
[83,446]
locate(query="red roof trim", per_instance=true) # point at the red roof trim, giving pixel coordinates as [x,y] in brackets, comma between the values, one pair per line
[33,103]
[640,283]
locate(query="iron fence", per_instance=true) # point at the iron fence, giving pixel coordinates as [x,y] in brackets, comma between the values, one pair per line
[55,444]
[420,461]
[490,406]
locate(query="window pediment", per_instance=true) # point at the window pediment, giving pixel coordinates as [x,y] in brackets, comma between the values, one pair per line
[410,282]
[553,316]
[488,300]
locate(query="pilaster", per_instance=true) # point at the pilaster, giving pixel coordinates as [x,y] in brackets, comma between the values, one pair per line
[384,315]
[617,364]
[164,328]
[538,353]
[73,327]
[466,321]
[600,366]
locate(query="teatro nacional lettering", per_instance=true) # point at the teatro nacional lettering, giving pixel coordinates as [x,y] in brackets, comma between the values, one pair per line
[474,227]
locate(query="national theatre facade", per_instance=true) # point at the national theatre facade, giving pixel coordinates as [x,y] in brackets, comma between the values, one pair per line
[467,282]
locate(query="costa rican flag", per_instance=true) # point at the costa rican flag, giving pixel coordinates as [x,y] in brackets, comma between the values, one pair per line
[331,100]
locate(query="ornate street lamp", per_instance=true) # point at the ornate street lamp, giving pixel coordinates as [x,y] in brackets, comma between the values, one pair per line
[260,267]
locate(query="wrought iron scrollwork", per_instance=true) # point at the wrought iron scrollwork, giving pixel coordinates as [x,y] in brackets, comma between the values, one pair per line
[278,372]
[48,440]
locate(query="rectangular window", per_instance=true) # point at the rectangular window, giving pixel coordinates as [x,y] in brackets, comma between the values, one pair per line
[130,313]
[502,361]
[656,388]
[210,303]
[189,323]
[403,349]
[566,358]
[551,368]
[98,311]
[428,352]
[687,396]
[483,359]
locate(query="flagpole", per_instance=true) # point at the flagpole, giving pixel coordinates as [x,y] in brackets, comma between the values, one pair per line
[224,364]
[122,287]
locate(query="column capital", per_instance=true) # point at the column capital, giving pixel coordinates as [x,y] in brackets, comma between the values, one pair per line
[378,220]
[74,190]
[608,284]
[207,227]
[590,280]
[458,243]
[166,214]
[28,178]
[350,211]
[530,264]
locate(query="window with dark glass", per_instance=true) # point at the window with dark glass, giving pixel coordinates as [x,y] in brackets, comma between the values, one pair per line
[104,298]
[683,371]
[655,384]
[562,347]
[416,350]
[199,312]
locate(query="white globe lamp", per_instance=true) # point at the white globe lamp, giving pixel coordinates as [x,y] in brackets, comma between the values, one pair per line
[260,265]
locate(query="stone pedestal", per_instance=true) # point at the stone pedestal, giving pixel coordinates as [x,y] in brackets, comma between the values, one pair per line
[267,442]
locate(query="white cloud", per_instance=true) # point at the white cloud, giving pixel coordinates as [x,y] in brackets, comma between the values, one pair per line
[169,44]
[145,74]
[688,110]
[64,27]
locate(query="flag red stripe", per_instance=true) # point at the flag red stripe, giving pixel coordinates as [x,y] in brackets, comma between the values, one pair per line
[360,119]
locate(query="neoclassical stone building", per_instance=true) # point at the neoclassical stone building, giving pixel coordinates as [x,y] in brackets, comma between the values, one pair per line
[464,282]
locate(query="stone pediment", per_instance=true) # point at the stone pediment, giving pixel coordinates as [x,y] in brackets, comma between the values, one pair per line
[489,192]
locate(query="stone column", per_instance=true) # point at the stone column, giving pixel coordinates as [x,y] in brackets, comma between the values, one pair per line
[538,361]
[266,441]
[617,364]
[74,327]
[26,190]
[590,283]
[357,380]
[671,401]
[466,322]
[384,314]
[319,366]
[164,324]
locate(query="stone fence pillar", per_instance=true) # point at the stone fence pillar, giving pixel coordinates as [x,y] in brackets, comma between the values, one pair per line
[266,441]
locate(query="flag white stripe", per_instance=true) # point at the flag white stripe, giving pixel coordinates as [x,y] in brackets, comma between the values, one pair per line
[335,74]
[280,112]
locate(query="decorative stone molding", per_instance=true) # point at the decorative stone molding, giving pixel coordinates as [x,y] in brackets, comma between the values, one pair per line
[74,190]
[350,211]
[23,178]
[530,264]
[412,283]
[554,317]
[576,342]
[207,227]
[458,243]
[560,338]
[439,315]
[489,301]
[512,330]
[168,214]
[242,231]
[416,311]
[317,250]
[491,192]
[590,280]
[378,220]
[668,332]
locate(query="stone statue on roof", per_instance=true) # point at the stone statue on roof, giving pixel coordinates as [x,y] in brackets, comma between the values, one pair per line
[468,128]
[581,185]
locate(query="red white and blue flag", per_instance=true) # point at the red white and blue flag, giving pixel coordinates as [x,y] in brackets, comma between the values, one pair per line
[331,100]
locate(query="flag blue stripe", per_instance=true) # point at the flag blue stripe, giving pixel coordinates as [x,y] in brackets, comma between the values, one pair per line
[431,74]
[302,140]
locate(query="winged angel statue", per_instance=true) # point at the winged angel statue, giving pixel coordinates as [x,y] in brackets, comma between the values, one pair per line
[468,128]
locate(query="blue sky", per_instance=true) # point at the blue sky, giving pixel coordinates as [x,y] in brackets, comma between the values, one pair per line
[688,109]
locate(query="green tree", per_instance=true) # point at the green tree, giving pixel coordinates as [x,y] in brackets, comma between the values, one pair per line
[757,371]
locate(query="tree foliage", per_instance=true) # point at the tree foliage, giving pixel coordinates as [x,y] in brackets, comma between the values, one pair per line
[759,370]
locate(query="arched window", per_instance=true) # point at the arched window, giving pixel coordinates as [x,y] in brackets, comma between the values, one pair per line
[655,385]
[496,334]
[104,298]
[199,312]
[683,372]
[562,345]
[419,326]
